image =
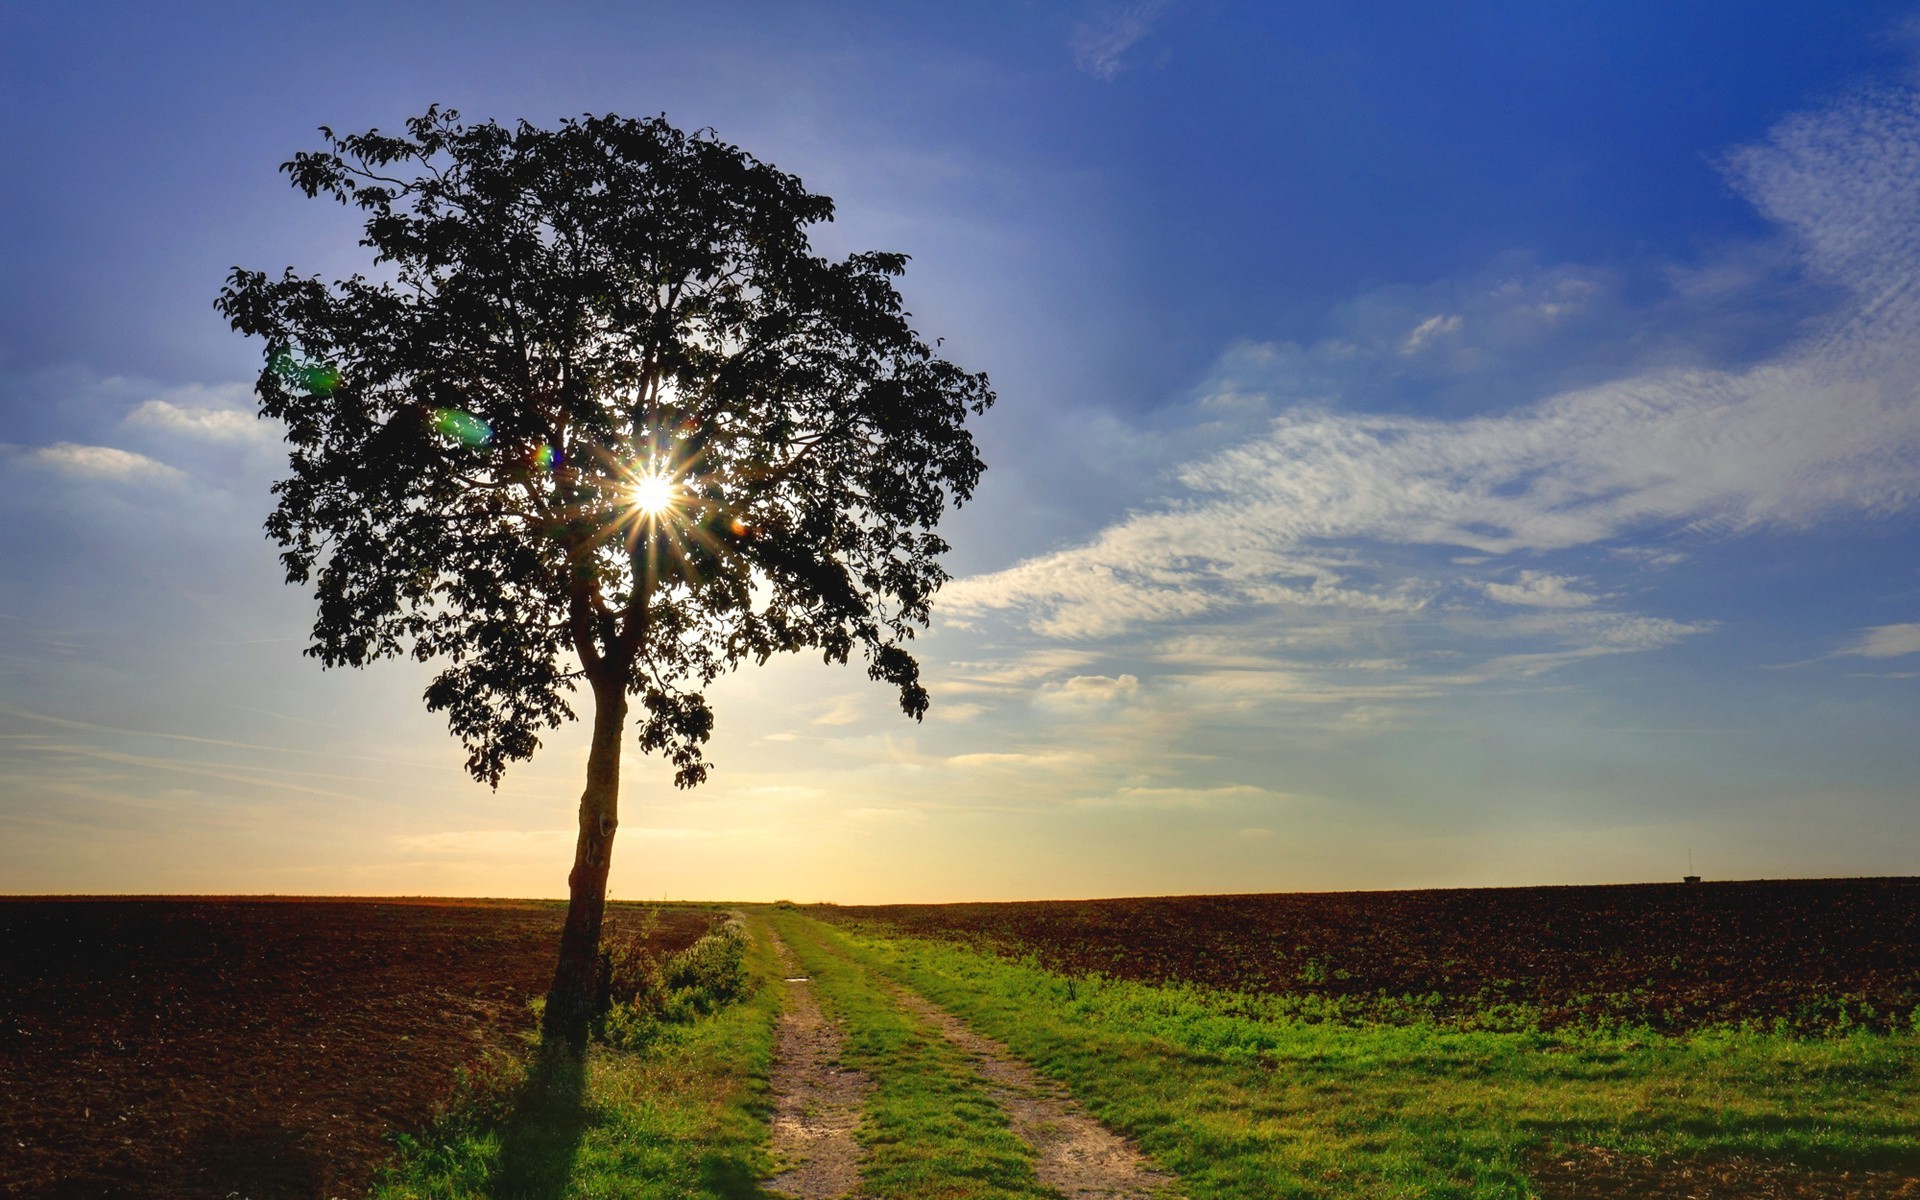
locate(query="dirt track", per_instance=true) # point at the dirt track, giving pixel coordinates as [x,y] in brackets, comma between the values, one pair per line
[1074,1154]
[817,1104]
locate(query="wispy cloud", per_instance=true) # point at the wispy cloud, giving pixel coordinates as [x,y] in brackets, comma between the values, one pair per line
[1307,513]
[1430,330]
[1885,641]
[203,421]
[1101,42]
[1184,798]
[101,462]
[847,709]
[1538,589]
[1086,692]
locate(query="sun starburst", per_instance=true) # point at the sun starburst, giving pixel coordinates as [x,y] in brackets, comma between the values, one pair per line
[652,493]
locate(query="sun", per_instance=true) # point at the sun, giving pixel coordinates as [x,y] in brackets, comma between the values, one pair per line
[652,493]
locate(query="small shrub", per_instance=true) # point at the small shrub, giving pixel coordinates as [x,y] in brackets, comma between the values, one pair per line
[711,972]
[645,999]
[627,968]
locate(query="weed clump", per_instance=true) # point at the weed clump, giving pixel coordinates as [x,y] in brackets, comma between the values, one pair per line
[642,998]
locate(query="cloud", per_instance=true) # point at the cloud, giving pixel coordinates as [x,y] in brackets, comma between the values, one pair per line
[1313,510]
[1587,635]
[1429,329]
[1538,589]
[1007,677]
[1024,761]
[848,709]
[1165,568]
[944,711]
[1100,44]
[217,423]
[1886,641]
[102,462]
[1083,691]
[1185,798]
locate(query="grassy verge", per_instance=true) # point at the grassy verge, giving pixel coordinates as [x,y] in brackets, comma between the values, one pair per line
[1245,1102]
[931,1129]
[682,1115]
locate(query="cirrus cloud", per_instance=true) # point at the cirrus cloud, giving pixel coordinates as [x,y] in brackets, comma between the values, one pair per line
[1886,641]
[1305,512]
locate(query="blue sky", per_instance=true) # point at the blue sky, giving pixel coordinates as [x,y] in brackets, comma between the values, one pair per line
[1470,444]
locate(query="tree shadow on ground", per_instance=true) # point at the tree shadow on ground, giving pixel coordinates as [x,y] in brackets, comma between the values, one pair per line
[542,1136]
[731,1177]
[1591,1173]
[266,1161]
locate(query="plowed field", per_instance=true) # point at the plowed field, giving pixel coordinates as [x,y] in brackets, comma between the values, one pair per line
[161,1049]
[1811,953]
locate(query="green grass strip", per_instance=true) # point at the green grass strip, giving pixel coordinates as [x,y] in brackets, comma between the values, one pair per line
[1246,1104]
[931,1130]
[685,1119]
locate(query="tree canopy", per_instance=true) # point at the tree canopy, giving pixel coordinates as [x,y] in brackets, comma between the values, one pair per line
[603,415]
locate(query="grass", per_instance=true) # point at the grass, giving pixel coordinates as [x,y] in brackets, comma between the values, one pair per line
[1242,1099]
[684,1117]
[1240,1096]
[930,1128]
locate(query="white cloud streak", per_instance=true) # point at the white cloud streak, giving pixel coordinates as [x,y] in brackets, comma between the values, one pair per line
[102,462]
[1886,641]
[1539,589]
[1429,330]
[1100,44]
[1827,428]
[218,424]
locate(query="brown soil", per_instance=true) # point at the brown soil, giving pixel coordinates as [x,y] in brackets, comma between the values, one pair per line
[1810,953]
[1074,1154]
[816,1102]
[165,1049]
[1590,1173]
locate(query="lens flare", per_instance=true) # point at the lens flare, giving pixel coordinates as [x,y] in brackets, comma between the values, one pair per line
[652,493]
[463,427]
[315,379]
[549,458]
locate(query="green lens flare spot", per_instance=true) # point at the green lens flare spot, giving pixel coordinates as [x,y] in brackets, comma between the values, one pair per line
[320,381]
[463,427]
[315,380]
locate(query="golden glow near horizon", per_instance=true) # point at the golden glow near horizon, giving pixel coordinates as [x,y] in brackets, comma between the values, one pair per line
[652,493]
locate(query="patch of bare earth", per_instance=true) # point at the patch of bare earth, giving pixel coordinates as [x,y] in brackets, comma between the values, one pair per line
[186,1048]
[1591,1173]
[1073,1153]
[816,1103]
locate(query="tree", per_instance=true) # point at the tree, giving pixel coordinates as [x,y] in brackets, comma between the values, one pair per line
[606,420]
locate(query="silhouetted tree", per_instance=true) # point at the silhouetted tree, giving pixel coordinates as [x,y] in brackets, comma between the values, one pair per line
[604,419]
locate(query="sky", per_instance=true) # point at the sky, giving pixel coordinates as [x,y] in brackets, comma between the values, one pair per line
[1438,445]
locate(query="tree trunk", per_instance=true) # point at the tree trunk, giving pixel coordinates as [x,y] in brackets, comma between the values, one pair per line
[575,978]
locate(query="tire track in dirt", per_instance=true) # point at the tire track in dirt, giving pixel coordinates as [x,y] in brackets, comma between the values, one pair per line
[1073,1153]
[816,1105]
